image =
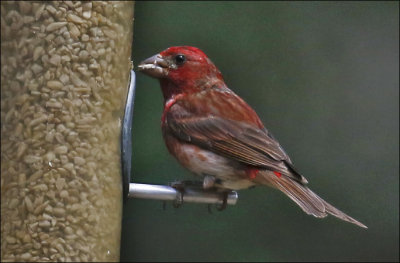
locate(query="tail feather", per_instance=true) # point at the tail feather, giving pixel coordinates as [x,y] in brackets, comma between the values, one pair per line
[330,209]
[309,201]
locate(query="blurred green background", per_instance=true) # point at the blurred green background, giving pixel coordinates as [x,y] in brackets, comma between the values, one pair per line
[324,79]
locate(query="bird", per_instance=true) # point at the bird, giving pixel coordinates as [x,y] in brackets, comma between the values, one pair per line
[216,135]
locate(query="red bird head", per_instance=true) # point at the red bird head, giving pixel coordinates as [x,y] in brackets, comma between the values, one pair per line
[181,69]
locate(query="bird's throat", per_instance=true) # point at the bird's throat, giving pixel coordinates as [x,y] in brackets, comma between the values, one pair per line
[169,89]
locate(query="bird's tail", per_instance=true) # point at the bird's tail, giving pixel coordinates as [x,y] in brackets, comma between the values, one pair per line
[310,202]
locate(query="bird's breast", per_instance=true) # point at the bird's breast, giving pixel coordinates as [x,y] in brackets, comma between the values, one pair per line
[201,161]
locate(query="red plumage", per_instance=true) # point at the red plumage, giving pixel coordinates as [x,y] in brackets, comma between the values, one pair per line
[215,134]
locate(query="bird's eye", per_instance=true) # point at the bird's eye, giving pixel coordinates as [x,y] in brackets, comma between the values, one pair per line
[180,59]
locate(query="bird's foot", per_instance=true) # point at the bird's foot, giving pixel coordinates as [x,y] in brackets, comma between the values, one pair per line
[180,188]
[220,207]
[224,202]
[178,202]
[182,184]
[208,182]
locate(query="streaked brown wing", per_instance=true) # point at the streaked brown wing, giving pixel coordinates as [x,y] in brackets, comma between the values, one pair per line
[234,139]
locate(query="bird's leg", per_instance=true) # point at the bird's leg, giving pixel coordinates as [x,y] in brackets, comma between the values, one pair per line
[180,188]
[224,202]
[208,182]
[186,183]
[179,199]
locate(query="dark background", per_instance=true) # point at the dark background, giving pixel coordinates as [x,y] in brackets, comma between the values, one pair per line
[324,79]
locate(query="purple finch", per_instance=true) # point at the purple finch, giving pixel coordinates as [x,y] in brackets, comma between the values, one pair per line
[215,134]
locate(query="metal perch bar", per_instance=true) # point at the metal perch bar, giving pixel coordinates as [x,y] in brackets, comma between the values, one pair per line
[168,193]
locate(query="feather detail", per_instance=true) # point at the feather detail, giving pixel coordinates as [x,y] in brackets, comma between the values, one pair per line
[201,121]
[308,201]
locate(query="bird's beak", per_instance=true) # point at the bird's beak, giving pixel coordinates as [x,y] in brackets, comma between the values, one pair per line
[155,66]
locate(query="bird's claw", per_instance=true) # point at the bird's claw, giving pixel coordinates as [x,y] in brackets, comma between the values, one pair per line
[179,199]
[179,185]
[222,206]
[224,202]
[180,188]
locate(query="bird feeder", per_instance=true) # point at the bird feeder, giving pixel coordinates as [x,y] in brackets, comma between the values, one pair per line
[66,135]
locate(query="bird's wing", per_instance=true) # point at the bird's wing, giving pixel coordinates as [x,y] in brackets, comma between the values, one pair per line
[238,140]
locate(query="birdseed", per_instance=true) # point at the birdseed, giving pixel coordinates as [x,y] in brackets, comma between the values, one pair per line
[64,74]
